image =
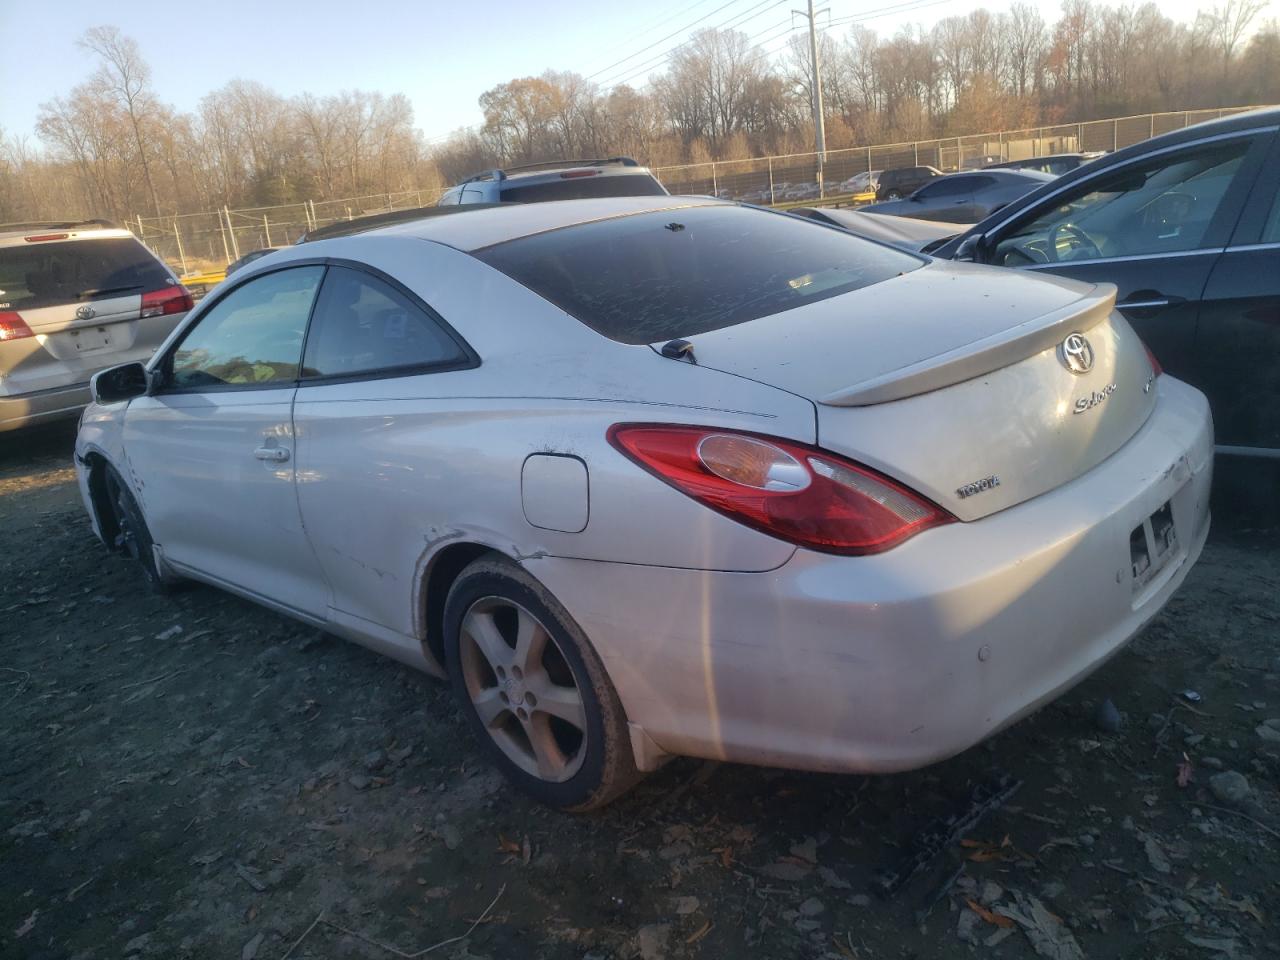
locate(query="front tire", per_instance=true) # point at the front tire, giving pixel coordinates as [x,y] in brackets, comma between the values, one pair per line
[130,536]
[534,691]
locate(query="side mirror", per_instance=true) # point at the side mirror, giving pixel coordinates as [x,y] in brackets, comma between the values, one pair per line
[115,384]
[972,249]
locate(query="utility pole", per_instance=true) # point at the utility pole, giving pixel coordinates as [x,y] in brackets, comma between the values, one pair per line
[819,128]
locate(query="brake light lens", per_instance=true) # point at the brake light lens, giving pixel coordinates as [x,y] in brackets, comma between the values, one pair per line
[160,303]
[788,490]
[13,327]
[574,174]
[42,238]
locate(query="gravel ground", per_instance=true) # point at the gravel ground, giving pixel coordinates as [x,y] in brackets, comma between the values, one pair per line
[192,776]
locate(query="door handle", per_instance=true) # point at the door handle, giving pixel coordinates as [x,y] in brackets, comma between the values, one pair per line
[1154,302]
[273,454]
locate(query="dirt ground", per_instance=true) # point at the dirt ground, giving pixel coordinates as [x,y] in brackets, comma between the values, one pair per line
[192,776]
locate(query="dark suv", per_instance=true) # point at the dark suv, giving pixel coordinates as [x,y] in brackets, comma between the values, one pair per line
[896,184]
[557,180]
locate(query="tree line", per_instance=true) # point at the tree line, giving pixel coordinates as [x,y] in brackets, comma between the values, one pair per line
[112,147]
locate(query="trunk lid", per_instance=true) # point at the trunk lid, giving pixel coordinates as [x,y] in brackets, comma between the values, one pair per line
[953,379]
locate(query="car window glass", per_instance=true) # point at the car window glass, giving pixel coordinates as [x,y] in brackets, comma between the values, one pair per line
[650,277]
[50,272]
[253,335]
[1162,205]
[945,187]
[578,188]
[1271,232]
[364,325]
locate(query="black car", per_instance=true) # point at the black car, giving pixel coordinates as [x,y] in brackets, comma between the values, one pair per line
[248,258]
[1057,164]
[1187,226]
[904,181]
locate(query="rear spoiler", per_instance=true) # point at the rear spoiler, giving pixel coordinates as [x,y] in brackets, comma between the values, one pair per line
[981,356]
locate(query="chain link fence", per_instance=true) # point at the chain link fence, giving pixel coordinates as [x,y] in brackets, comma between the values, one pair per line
[196,244]
[800,177]
[202,244]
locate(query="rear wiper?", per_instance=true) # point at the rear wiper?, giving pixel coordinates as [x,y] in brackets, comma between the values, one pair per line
[105,290]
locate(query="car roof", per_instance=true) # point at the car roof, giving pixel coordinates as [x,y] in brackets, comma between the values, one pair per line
[474,229]
[1015,173]
[15,234]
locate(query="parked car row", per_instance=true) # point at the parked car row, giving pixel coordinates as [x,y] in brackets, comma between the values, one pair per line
[766,487]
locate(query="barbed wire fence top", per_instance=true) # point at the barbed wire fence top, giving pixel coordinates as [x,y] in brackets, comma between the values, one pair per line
[207,241]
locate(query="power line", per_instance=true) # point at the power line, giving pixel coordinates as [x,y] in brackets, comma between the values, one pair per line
[652,63]
[664,39]
[680,8]
[655,62]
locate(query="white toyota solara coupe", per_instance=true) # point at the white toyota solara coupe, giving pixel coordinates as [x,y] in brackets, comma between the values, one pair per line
[658,476]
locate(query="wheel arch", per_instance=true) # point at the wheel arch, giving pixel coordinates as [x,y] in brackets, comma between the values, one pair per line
[104,517]
[441,572]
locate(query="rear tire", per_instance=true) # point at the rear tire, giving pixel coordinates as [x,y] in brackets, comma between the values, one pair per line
[131,537]
[534,691]
[893,195]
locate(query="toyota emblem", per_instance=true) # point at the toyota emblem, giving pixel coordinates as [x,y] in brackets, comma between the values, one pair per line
[1077,353]
[85,313]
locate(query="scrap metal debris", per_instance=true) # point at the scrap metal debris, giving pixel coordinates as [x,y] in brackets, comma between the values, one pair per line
[943,832]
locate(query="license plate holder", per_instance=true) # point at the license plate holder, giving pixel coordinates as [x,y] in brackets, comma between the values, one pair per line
[1152,545]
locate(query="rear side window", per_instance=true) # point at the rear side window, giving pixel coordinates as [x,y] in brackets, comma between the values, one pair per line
[948,187]
[656,276]
[363,325]
[580,188]
[69,271]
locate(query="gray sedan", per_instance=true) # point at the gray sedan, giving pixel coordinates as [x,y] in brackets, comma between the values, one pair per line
[963,197]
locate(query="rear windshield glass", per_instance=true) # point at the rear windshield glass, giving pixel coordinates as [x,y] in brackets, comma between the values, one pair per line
[581,188]
[70,271]
[675,273]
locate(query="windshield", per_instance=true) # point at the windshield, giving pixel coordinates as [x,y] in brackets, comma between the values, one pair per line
[75,271]
[657,276]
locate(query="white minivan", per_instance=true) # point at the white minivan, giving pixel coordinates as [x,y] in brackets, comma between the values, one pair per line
[75,298]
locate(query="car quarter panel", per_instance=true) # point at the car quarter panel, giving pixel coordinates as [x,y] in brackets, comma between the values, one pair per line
[392,469]
[893,661]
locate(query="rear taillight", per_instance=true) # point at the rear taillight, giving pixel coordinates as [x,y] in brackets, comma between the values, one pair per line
[159,303]
[45,237]
[788,490]
[13,327]
[1156,369]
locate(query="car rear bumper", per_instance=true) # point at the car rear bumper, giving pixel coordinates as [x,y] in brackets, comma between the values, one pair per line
[895,661]
[42,406]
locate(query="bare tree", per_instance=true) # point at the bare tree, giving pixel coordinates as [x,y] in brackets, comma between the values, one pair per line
[126,77]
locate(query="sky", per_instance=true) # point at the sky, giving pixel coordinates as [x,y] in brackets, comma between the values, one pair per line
[441,55]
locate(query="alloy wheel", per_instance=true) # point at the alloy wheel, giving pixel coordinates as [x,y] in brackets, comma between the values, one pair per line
[523,689]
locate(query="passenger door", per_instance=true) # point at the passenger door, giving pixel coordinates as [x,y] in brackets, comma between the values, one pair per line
[212,446]
[945,198]
[1155,227]
[1238,334]
[365,416]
